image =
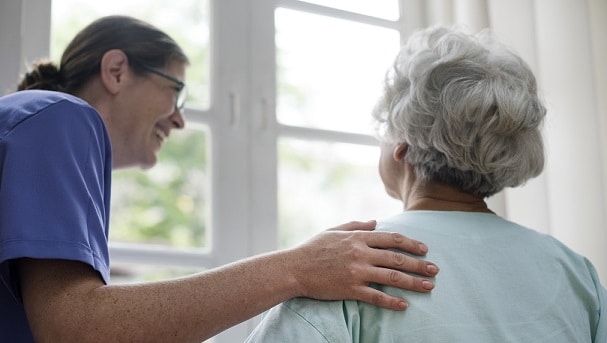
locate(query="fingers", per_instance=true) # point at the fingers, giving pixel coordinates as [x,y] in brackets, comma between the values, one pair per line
[399,261]
[381,239]
[378,298]
[353,226]
[393,240]
[393,278]
[372,247]
[341,263]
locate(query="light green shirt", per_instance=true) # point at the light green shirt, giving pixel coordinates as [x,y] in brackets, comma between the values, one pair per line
[499,282]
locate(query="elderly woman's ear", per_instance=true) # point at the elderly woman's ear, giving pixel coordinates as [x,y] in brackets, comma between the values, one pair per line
[400,150]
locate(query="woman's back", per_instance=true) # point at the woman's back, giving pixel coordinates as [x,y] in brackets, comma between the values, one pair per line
[499,282]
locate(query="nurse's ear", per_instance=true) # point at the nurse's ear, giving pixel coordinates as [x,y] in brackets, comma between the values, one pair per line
[114,70]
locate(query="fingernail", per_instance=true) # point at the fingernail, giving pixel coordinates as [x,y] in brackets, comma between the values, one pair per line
[431,269]
[423,248]
[402,305]
[427,285]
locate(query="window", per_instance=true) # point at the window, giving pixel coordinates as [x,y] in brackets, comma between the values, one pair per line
[271,153]
[329,77]
[278,144]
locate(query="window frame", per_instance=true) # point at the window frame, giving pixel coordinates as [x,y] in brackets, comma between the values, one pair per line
[245,82]
[242,127]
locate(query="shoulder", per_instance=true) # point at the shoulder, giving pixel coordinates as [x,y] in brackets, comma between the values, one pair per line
[22,106]
[465,233]
[304,320]
[34,101]
[47,113]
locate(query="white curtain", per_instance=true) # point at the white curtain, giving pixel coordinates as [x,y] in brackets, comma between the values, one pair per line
[565,42]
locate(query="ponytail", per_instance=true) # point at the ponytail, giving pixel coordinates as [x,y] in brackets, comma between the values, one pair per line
[44,74]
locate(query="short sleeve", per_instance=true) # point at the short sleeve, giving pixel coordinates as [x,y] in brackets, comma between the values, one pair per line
[55,174]
[281,324]
[304,320]
[600,331]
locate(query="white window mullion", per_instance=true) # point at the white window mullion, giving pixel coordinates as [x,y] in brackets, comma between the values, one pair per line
[230,139]
[263,129]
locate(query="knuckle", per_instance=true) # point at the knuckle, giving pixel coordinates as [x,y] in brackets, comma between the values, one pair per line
[354,273]
[358,235]
[398,258]
[353,223]
[358,251]
[378,298]
[397,238]
[394,277]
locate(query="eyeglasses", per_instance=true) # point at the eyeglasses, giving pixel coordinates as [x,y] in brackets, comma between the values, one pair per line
[181,88]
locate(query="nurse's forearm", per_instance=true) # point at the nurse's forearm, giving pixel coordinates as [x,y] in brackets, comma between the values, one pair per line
[66,300]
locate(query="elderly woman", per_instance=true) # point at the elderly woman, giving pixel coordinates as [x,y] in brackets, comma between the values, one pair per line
[459,120]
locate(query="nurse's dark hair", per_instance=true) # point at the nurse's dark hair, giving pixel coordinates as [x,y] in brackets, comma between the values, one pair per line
[143,44]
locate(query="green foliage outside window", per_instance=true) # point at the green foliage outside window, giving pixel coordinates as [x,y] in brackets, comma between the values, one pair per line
[166,204]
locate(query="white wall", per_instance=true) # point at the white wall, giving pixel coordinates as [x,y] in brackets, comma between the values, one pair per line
[564,41]
[18,19]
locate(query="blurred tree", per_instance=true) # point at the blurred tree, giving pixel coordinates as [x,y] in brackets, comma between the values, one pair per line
[166,204]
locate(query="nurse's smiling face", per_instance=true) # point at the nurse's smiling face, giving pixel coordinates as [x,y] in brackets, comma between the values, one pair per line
[148,115]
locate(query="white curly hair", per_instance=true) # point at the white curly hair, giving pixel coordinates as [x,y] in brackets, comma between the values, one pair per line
[468,108]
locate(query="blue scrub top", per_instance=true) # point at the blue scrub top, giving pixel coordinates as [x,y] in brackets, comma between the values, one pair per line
[55,178]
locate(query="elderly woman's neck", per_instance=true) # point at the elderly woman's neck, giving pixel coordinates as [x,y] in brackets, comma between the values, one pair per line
[441,197]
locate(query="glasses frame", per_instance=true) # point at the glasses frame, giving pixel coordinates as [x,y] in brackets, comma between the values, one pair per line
[180,98]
